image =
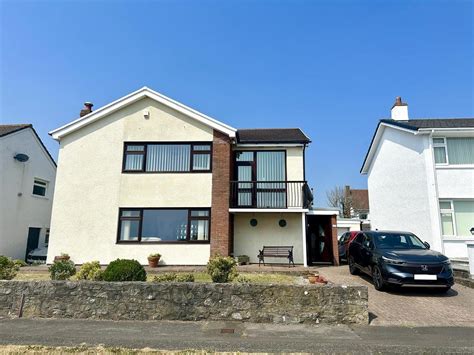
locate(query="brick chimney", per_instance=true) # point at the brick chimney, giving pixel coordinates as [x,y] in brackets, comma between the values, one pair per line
[87,109]
[399,110]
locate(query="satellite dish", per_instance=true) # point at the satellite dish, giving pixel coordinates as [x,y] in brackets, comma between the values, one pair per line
[21,157]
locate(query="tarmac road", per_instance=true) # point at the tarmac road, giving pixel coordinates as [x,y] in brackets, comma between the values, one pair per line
[238,336]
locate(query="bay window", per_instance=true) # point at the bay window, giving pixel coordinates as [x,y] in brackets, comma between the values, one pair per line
[163,225]
[453,150]
[167,157]
[457,217]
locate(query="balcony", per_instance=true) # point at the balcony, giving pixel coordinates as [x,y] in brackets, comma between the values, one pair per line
[270,194]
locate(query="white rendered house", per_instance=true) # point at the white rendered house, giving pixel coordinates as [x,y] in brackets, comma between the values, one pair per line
[421,179]
[27,177]
[146,174]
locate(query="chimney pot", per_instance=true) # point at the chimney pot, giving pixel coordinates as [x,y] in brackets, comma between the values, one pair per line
[87,109]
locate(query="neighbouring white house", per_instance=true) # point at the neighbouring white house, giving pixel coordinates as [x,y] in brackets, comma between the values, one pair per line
[27,177]
[146,174]
[421,179]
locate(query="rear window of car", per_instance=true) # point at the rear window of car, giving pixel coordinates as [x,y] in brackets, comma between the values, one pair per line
[359,237]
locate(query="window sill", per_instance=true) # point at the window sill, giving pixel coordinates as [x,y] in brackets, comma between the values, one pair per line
[174,243]
[458,239]
[40,197]
[453,167]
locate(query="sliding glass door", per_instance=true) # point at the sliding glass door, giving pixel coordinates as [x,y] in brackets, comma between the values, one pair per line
[261,179]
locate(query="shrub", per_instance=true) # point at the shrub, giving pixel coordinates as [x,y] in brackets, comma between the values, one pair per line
[90,271]
[8,268]
[185,277]
[62,270]
[20,263]
[173,277]
[166,277]
[124,270]
[242,279]
[222,269]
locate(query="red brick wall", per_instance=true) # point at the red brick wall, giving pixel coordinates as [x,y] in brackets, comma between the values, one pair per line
[221,236]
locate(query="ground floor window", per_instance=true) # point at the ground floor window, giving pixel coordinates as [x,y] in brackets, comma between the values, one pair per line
[164,225]
[457,217]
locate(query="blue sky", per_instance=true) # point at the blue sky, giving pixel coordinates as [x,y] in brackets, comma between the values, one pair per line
[332,68]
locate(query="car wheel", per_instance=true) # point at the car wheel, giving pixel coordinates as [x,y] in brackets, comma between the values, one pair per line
[377,278]
[352,267]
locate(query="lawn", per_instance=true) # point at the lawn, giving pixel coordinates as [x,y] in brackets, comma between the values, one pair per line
[266,278]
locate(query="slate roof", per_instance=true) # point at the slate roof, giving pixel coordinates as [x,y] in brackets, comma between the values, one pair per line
[360,199]
[416,124]
[10,128]
[272,135]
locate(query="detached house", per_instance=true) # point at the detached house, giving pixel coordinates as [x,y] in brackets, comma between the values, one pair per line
[421,179]
[148,174]
[27,176]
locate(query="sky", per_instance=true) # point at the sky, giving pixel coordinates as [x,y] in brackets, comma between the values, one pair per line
[332,68]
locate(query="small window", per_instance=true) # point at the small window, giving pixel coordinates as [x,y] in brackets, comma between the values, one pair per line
[439,148]
[201,157]
[134,157]
[129,225]
[40,187]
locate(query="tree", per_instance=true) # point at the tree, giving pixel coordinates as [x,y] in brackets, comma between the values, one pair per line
[337,198]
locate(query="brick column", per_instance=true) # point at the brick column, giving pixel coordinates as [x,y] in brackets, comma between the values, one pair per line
[221,234]
[335,248]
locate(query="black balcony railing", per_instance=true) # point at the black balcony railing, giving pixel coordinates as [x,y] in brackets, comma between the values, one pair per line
[270,194]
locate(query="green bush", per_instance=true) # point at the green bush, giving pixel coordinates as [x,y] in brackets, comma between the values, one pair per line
[124,270]
[166,277]
[242,279]
[222,269]
[173,277]
[90,271]
[8,268]
[62,270]
[20,263]
[185,277]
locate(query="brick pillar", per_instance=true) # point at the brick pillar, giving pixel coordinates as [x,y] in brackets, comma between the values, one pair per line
[335,248]
[221,236]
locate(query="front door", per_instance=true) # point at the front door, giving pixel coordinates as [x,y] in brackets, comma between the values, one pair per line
[33,240]
[319,240]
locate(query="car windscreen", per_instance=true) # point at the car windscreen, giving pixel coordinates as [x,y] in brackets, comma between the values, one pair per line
[397,241]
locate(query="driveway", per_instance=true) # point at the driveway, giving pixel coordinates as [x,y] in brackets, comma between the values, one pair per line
[411,307]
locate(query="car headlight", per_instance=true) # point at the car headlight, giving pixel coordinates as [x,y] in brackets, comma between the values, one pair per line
[392,261]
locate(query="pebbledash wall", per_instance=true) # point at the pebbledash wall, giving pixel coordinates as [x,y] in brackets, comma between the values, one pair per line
[87,199]
[185,301]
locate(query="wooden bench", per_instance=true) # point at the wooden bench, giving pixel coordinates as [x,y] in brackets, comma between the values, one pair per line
[276,252]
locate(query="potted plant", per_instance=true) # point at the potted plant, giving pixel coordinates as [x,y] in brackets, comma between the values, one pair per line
[243,260]
[63,256]
[154,259]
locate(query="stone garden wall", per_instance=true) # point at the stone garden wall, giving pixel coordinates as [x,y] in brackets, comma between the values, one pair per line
[185,301]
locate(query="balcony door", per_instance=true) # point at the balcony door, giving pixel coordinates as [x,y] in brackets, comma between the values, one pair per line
[261,179]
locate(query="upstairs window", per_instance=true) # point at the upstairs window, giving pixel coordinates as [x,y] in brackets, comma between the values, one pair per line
[453,150]
[167,157]
[40,187]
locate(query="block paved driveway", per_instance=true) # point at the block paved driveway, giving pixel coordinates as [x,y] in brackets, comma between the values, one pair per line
[411,307]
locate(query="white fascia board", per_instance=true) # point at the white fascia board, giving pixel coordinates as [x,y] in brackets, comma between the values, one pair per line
[267,145]
[267,210]
[316,212]
[133,97]
[376,141]
[447,130]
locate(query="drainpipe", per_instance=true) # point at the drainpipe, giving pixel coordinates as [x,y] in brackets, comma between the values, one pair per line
[435,179]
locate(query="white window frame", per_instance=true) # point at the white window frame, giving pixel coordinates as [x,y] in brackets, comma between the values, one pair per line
[441,145]
[46,187]
[453,217]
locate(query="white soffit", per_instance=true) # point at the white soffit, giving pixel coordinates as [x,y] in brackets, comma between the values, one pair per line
[60,132]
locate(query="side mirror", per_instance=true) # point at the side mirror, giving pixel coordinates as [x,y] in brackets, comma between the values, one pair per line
[427,245]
